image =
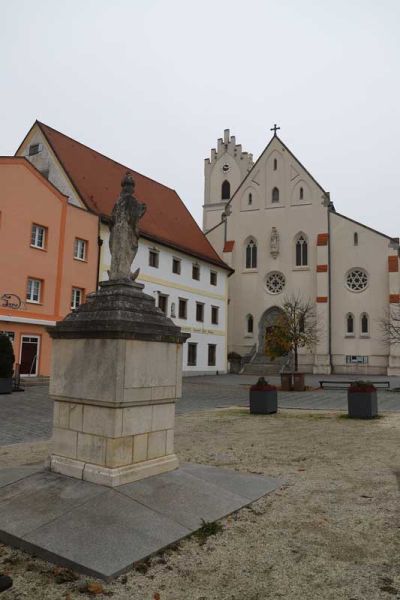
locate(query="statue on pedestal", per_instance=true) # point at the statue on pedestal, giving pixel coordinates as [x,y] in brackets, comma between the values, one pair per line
[124,232]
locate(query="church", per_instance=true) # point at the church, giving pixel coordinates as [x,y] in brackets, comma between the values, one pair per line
[278,228]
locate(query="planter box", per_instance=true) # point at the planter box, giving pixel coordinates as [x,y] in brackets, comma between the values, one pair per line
[298,382]
[6,385]
[286,382]
[362,405]
[263,403]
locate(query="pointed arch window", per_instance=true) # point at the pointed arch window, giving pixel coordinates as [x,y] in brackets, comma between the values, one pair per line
[275,195]
[275,164]
[251,255]
[225,190]
[301,251]
[302,324]
[355,238]
[301,193]
[250,323]
[364,324]
[350,324]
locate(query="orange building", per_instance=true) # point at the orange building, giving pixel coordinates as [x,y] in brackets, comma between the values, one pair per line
[48,260]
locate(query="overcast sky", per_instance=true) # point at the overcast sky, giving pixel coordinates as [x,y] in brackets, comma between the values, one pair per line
[153,84]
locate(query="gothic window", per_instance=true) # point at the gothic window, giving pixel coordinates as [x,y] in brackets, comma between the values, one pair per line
[275,282]
[349,324]
[225,190]
[250,324]
[275,195]
[275,164]
[301,324]
[356,280]
[364,324]
[301,194]
[355,239]
[301,251]
[251,255]
[250,199]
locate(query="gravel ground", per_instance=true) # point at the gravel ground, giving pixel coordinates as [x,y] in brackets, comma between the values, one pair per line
[330,533]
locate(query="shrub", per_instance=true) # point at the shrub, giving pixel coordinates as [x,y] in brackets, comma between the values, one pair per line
[234,356]
[361,386]
[262,386]
[6,357]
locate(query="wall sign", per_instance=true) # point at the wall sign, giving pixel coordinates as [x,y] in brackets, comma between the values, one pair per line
[11,301]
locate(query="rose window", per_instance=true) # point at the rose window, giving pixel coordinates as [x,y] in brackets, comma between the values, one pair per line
[275,282]
[357,280]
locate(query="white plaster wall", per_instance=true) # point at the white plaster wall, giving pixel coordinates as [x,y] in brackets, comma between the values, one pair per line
[175,286]
[371,254]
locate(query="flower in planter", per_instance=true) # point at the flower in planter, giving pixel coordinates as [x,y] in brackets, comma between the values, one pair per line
[262,386]
[361,386]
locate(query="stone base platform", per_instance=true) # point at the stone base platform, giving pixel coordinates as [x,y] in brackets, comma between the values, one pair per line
[102,531]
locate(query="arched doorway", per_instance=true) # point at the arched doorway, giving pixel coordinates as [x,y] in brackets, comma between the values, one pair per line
[267,322]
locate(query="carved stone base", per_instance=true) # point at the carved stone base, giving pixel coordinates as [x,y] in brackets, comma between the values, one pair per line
[112,477]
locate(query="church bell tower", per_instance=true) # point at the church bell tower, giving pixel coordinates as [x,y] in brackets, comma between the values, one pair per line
[223,173]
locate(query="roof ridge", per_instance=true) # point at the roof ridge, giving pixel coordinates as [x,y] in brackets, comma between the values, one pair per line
[41,124]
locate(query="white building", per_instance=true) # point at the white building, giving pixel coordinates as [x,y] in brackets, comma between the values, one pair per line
[178,265]
[274,224]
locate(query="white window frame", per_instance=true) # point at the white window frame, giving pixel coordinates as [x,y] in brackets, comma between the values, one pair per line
[74,304]
[78,245]
[31,293]
[27,337]
[35,236]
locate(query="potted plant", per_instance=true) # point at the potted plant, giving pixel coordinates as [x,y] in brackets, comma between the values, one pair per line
[6,364]
[263,398]
[362,401]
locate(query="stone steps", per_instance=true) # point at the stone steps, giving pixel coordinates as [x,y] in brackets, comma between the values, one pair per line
[34,381]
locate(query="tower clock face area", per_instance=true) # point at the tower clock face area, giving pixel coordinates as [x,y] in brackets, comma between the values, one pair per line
[225,168]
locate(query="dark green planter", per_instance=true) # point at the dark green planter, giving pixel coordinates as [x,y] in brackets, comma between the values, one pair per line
[6,385]
[362,405]
[263,403]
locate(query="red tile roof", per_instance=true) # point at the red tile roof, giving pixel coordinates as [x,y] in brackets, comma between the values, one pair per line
[229,244]
[97,179]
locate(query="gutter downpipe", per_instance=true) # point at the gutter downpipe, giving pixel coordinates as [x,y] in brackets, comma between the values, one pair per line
[99,245]
[329,291]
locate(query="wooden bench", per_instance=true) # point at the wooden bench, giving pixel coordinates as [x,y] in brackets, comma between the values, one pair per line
[342,384]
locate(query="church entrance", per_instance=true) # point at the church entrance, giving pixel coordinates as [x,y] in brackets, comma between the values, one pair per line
[267,326]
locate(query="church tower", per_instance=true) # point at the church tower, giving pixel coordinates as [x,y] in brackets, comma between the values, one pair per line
[223,173]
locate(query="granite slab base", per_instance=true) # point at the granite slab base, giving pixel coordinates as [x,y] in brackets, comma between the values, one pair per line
[102,531]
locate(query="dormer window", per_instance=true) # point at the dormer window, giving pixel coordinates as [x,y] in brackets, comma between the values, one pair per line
[225,190]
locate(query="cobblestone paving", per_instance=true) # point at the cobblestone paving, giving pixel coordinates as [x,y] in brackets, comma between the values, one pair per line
[27,416]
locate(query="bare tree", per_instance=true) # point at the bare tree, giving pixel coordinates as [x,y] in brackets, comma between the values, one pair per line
[296,327]
[390,325]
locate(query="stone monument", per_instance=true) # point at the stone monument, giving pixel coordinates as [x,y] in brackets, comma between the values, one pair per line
[116,372]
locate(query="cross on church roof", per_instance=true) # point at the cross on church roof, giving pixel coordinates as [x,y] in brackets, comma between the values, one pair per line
[274,128]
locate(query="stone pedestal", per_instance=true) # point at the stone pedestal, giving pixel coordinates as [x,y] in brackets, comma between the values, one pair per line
[116,374]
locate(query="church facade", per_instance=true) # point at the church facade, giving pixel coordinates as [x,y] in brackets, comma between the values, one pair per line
[275,225]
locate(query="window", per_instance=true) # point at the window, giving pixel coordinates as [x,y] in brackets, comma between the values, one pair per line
[250,199]
[225,190]
[176,266]
[275,164]
[38,236]
[163,303]
[182,308]
[153,258]
[275,195]
[76,297]
[349,324]
[275,282]
[302,324]
[199,311]
[356,280]
[173,311]
[192,355]
[34,149]
[214,315]
[196,272]
[355,239]
[364,324]
[301,251]
[33,291]
[212,355]
[80,249]
[301,194]
[213,278]
[251,255]
[250,324]
[360,360]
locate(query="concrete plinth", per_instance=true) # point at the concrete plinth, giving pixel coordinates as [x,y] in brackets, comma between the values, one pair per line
[117,372]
